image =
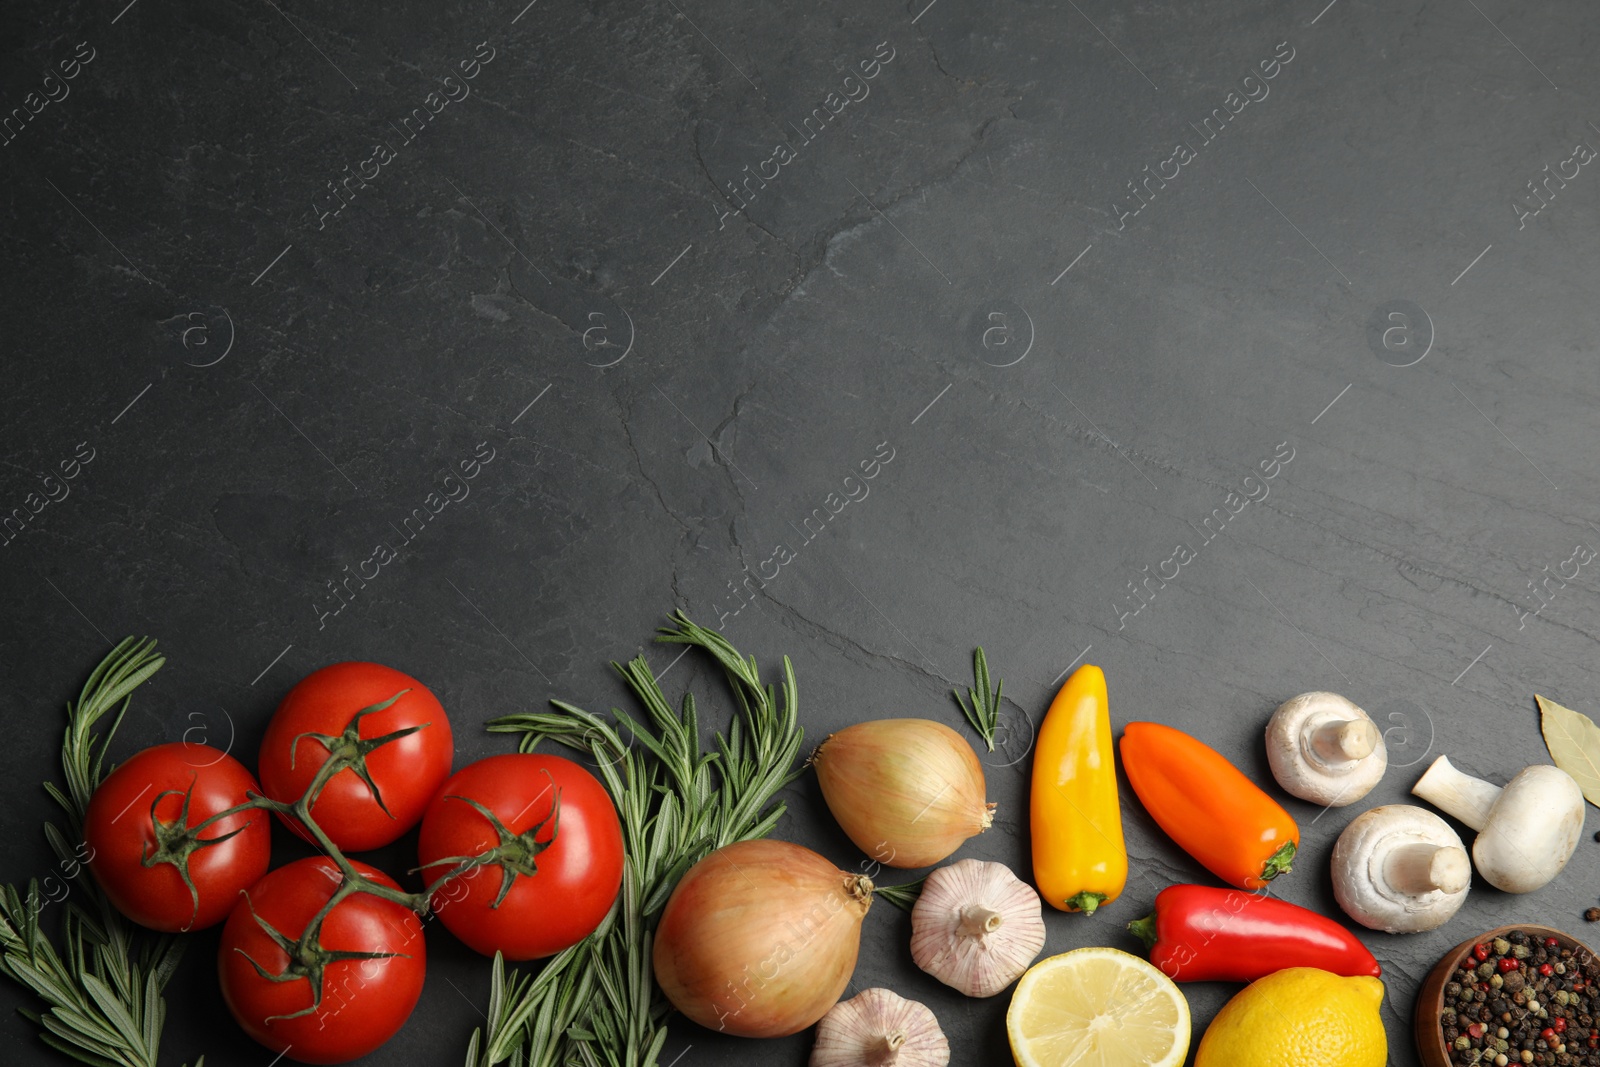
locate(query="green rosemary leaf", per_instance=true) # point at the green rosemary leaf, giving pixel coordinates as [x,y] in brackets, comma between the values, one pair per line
[87,1032]
[115,1012]
[75,1051]
[903,896]
[113,681]
[981,706]
[155,1012]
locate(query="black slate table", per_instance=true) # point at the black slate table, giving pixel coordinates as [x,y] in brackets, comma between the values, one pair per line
[1071,278]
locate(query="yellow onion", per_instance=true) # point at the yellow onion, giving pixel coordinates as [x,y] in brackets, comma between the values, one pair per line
[907,791]
[760,938]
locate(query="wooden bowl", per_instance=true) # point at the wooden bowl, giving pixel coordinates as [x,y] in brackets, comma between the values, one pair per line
[1428,1029]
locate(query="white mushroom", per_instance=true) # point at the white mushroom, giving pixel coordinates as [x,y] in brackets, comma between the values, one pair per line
[1325,749]
[879,1028]
[976,927]
[1400,869]
[1526,831]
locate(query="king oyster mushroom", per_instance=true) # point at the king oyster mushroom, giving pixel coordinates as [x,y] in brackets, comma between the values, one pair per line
[879,1028]
[1400,869]
[1526,831]
[976,927]
[1325,749]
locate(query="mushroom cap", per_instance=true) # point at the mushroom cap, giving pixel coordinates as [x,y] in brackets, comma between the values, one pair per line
[1304,772]
[979,966]
[854,1029]
[1531,831]
[1361,885]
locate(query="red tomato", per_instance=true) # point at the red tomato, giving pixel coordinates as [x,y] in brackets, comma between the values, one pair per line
[559,842]
[364,1001]
[407,770]
[121,834]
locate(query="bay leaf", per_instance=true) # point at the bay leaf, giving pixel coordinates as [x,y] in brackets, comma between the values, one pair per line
[1574,743]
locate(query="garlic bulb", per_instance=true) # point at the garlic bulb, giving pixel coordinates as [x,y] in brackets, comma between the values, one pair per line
[880,1028]
[908,792]
[976,927]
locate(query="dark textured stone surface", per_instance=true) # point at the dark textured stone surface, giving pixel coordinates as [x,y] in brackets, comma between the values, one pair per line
[298,384]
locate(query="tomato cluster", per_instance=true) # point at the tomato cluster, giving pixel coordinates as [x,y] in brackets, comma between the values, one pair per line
[521,854]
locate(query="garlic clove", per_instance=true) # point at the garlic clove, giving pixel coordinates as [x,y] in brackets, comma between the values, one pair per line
[976,927]
[880,1028]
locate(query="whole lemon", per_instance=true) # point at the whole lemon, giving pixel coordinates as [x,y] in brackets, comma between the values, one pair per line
[1299,1017]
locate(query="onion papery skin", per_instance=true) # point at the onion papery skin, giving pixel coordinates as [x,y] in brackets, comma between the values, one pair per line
[908,792]
[759,939]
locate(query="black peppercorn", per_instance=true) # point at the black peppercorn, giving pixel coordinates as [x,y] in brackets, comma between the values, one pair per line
[1473,1017]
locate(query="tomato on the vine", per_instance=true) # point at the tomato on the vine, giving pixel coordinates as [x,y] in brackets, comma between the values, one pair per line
[345,997]
[392,728]
[139,829]
[548,850]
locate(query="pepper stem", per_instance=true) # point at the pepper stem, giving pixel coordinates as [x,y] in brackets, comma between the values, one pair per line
[977,920]
[1145,930]
[1280,862]
[1086,901]
[886,1049]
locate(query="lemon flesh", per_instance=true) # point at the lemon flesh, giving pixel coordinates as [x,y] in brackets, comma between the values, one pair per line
[1097,1007]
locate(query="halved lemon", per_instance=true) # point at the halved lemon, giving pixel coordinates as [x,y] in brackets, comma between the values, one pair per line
[1097,1007]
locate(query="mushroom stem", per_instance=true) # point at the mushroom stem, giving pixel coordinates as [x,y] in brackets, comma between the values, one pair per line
[1419,868]
[977,920]
[885,1050]
[1467,798]
[1342,740]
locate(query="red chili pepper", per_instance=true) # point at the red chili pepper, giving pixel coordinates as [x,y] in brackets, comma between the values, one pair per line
[1198,933]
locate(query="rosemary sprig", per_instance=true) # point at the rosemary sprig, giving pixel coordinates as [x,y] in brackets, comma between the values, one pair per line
[903,896]
[981,707]
[596,1004]
[102,994]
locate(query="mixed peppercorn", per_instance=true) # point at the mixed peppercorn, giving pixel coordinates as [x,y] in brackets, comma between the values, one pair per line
[1523,999]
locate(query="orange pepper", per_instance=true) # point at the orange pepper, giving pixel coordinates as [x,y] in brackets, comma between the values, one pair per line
[1208,806]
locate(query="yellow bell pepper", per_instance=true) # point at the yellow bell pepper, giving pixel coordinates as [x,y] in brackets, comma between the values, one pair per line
[1079,859]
